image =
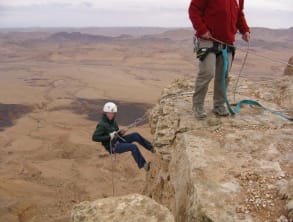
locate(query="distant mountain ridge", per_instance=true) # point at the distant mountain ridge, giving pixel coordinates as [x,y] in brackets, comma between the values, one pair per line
[261,37]
[82,37]
[257,33]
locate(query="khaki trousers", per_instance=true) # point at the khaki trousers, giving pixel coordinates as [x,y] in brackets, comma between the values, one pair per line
[211,67]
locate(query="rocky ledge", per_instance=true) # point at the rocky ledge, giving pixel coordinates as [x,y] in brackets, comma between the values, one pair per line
[121,209]
[224,169]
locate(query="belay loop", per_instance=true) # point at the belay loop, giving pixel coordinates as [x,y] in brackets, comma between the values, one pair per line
[248,102]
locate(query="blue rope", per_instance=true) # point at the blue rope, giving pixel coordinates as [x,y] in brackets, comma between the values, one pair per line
[247,101]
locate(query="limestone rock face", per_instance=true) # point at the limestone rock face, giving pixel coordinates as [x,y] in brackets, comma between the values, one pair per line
[223,169]
[289,69]
[121,209]
[286,192]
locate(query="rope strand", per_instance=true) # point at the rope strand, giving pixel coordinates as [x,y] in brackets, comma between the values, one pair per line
[112,152]
[112,160]
[137,122]
[241,71]
[253,53]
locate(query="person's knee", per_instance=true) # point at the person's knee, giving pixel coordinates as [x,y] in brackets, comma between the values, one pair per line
[206,75]
[210,73]
[136,135]
[133,148]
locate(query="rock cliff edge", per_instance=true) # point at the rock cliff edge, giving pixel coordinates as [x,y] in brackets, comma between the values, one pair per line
[224,169]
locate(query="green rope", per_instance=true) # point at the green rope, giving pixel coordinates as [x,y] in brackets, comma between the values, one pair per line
[248,102]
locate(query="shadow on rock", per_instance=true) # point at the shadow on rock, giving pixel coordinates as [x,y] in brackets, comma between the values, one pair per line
[10,112]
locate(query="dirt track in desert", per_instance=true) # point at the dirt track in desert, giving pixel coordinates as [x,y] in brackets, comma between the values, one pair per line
[51,94]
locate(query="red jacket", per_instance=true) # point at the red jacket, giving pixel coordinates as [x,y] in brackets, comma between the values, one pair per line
[221,17]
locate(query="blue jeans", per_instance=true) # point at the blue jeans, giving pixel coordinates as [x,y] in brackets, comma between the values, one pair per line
[125,146]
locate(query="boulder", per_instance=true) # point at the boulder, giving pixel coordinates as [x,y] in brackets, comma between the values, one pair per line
[133,207]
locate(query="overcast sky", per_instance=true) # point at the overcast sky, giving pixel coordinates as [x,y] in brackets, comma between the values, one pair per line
[164,13]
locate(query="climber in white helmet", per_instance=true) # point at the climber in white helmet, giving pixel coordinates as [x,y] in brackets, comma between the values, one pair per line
[115,141]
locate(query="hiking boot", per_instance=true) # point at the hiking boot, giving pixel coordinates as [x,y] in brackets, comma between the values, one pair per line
[220,111]
[147,166]
[200,112]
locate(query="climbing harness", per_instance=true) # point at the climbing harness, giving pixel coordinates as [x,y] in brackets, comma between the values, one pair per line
[248,102]
[202,52]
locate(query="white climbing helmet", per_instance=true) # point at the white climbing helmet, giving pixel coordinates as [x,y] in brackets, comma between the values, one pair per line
[110,108]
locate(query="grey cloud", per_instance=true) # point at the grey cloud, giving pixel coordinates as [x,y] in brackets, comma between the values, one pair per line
[87,4]
[88,14]
[270,18]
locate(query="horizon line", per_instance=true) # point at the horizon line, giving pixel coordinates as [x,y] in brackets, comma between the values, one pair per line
[121,27]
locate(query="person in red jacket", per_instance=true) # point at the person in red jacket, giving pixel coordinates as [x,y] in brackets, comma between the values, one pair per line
[216,23]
